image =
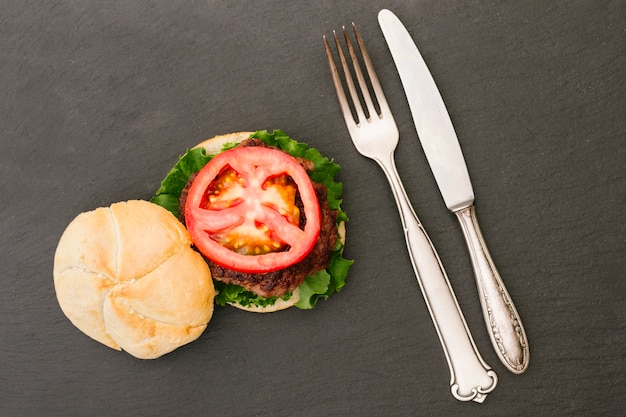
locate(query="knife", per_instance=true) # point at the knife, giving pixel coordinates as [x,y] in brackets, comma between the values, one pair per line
[447,164]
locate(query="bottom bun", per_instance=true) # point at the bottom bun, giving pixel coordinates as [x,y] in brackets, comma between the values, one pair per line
[215,144]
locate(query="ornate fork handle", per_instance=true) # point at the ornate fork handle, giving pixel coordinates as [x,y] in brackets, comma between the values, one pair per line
[470,377]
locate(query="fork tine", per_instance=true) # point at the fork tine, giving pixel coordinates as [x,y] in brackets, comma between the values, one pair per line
[384,111]
[341,95]
[349,81]
[378,91]
[359,73]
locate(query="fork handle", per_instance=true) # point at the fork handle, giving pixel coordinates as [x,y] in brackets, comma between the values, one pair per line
[504,324]
[471,379]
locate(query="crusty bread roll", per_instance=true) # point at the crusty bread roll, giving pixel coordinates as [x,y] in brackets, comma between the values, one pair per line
[214,146]
[126,276]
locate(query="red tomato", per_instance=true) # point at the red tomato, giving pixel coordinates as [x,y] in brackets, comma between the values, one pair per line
[241,212]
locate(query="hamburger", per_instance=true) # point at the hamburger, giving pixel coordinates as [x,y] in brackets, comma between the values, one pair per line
[126,276]
[265,212]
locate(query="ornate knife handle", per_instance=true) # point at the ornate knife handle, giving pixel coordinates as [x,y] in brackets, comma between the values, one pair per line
[470,377]
[503,322]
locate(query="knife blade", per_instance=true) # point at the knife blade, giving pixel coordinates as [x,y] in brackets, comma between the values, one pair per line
[443,152]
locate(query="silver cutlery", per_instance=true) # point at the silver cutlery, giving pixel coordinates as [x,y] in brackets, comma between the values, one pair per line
[446,161]
[375,136]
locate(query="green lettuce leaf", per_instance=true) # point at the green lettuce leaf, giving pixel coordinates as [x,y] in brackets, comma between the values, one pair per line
[230,293]
[168,194]
[313,287]
[318,286]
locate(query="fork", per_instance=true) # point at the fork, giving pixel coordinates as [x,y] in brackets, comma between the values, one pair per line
[375,135]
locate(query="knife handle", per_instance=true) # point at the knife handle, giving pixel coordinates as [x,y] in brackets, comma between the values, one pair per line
[471,379]
[503,322]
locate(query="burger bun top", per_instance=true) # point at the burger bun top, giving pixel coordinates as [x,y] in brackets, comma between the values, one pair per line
[126,276]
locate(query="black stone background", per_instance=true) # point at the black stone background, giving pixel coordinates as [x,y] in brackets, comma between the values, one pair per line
[98,100]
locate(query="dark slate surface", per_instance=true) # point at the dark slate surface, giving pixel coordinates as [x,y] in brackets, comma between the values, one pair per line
[98,99]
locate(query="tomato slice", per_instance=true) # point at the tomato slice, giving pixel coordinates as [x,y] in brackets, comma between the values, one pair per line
[241,211]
